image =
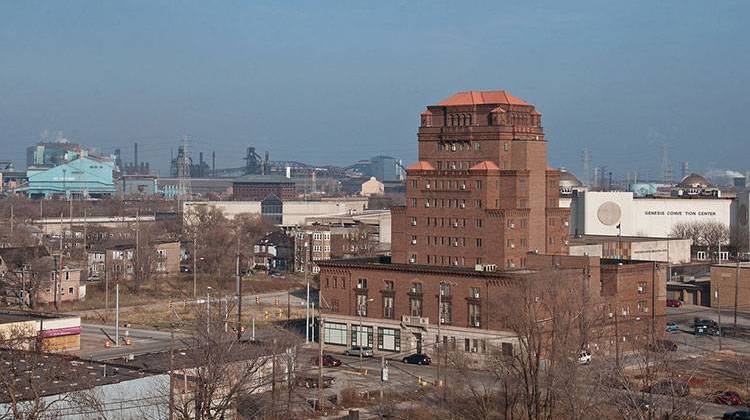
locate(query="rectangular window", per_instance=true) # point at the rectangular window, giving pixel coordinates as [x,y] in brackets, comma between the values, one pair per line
[362,305]
[474,292]
[479,223]
[642,287]
[415,305]
[479,204]
[334,333]
[478,184]
[642,306]
[362,335]
[414,183]
[445,312]
[474,315]
[479,242]
[389,339]
[414,202]
[388,285]
[362,284]
[388,311]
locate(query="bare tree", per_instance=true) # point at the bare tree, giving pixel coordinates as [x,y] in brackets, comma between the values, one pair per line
[28,379]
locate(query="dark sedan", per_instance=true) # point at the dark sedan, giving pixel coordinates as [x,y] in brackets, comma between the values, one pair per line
[328,361]
[417,359]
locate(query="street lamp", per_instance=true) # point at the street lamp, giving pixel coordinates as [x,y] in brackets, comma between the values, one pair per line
[361,311]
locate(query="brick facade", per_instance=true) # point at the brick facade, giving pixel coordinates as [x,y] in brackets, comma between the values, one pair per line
[469,198]
[482,222]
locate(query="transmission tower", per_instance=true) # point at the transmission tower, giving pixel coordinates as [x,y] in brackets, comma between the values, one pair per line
[183,169]
[666,167]
[586,167]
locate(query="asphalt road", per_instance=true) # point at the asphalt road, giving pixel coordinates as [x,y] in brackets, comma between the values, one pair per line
[143,341]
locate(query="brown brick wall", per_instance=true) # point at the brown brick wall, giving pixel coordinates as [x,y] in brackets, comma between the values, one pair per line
[724,282]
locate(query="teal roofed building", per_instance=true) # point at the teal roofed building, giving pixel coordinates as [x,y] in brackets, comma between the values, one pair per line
[84,176]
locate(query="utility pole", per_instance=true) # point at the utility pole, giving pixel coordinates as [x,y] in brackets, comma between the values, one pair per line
[617,339]
[653,301]
[273,377]
[718,309]
[12,223]
[736,291]
[171,374]
[437,343]
[195,265]
[137,244]
[239,291]
[117,314]
[307,301]
[85,231]
[288,305]
[320,361]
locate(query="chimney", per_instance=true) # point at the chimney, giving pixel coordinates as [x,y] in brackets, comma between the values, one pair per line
[288,171]
[135,154]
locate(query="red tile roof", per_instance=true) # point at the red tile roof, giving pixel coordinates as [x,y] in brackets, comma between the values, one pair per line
[421,166]
[486,165]
[488,97]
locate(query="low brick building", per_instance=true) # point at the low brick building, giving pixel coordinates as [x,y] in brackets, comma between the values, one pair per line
[397,304]
[726,281]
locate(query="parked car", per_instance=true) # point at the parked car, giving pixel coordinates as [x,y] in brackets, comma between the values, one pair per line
[674,303]
[672,327]
[311,381]
[669,387]
[357,351]
[660,346]
[584,357]
[185,269]
[417,359]
[328,361]
[737,415]
[705,322]
[728,398]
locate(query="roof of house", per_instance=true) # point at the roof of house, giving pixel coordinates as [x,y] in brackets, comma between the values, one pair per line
[421,166]
[487,97]
[486,165]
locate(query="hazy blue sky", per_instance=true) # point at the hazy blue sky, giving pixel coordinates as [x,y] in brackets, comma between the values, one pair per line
[332,82]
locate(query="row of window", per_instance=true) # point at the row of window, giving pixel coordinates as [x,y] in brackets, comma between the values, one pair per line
[447,260]
[446,184]
[454,120]
[461,242]
[457,222]
[316,235]
[457,146]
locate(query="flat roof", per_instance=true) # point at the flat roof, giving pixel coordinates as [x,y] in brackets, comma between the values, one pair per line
[8,317]
[384,263]
[42,374]
[600,239]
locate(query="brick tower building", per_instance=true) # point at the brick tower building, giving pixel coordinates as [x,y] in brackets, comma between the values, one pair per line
[481,193]
[482,222]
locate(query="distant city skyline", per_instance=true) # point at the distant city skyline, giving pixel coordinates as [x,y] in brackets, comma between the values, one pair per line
[334,84]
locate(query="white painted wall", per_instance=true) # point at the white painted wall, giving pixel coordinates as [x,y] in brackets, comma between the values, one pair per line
[649,217]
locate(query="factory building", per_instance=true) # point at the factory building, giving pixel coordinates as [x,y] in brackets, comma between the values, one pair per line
[83,176]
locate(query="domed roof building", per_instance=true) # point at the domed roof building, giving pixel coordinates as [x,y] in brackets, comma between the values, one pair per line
[695,181]
[695,185]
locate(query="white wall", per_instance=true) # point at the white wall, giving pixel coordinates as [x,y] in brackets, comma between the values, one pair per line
[649,217]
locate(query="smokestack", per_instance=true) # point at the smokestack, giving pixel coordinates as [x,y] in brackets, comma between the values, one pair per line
[288,172]
[135,154]
[213,163]
[200,164]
